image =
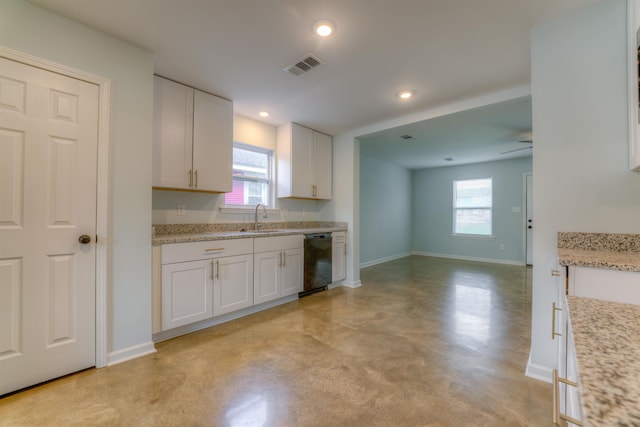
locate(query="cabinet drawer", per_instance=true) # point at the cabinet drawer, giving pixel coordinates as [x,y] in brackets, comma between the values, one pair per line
[278,243]
[191,251]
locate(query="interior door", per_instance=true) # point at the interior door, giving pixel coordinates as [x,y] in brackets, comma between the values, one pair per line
[48,158]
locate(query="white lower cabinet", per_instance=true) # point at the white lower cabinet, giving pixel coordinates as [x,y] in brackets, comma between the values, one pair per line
[232,284]
[339,256]
[566,391]
[186,293]
[200,280]
[278,263]
[197,281]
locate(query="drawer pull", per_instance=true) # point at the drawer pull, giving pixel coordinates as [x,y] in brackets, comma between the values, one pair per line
[554,334]
[556,400]
[214,250]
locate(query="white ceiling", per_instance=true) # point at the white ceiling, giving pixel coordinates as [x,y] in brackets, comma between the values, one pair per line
[444,50]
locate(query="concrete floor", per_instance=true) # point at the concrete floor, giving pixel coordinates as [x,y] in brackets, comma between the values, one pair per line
[424,342]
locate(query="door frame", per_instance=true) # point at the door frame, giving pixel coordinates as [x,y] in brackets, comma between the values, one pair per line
[524,217]
[102,185]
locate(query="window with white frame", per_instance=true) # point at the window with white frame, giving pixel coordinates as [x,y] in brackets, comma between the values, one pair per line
[472,206]
[252,176]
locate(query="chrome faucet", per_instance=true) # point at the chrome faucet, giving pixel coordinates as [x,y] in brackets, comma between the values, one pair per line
[264,215]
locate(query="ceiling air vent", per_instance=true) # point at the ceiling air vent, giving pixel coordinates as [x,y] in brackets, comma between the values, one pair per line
[304,64]
[406,137]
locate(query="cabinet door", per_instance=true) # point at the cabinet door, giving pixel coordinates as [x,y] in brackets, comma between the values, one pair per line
[302,170]
[323,161]
[233,284]
[266,282]
[172,134]
[338,254]
[186,293]
[212,142]
[292,269]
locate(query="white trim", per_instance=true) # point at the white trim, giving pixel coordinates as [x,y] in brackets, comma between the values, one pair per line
[525,210]
[632,82]
[538,372]
[130,353]
[102,186]
[469,258]
[346,284]
[381,260]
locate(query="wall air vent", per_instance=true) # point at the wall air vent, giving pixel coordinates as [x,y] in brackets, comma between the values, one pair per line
[406,137]
[304,64]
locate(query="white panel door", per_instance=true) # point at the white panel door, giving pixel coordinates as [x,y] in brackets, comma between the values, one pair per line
[172,134]
[302,179]
[232,284]
[212,142]
[48,158]
[291,277]
[266,281]
[323,161]
[186,293]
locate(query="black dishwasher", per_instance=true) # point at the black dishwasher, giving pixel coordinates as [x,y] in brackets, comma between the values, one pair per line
[317,263]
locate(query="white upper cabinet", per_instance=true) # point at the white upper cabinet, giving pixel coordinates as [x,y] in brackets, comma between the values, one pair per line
[192,139]
[305,159]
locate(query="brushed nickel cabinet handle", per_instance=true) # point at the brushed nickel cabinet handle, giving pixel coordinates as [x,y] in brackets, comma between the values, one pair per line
[284,259]
[190,178]
[554,334]
[196,186]
[213,267]
[218,269]
[214,250]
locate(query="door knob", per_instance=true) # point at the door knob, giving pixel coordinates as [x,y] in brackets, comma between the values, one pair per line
[84,239]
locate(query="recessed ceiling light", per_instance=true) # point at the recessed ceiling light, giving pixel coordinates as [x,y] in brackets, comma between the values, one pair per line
[263,113]
[324,27]
[406,94]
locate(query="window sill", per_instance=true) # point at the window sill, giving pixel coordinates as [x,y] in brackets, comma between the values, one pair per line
[246,210]
[473,236]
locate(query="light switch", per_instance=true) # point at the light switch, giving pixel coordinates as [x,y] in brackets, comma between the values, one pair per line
[515,209]
[181,209]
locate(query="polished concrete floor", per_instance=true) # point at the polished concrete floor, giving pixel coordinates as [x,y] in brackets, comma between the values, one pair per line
[424,342]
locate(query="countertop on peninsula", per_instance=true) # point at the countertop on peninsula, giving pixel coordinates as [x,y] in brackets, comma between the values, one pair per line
[600,250]
[182,233]
[607,342]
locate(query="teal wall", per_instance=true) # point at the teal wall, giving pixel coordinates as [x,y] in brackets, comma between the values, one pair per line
[433,211]
[385,210]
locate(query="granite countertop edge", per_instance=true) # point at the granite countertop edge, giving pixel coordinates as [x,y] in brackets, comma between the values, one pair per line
[607,344]
[609,260]
[229,235]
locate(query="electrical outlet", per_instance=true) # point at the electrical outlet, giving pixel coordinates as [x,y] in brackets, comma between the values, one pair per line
[181,209]
[502,246]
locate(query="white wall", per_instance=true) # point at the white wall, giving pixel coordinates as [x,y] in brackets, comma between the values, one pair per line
[32,30]
[204,207]
[385,210]
[580,165]
[433,211]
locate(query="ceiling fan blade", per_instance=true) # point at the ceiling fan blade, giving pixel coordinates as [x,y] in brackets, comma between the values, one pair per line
[517,149]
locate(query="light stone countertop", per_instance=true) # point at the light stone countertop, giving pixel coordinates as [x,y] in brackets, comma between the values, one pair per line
[181,233]
[607,342]
[599,250]
[609,260]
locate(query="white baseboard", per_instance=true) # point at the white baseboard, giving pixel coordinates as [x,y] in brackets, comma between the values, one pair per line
[469,258]
[349,284]
[130,353]
[381,260]
[538,372]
